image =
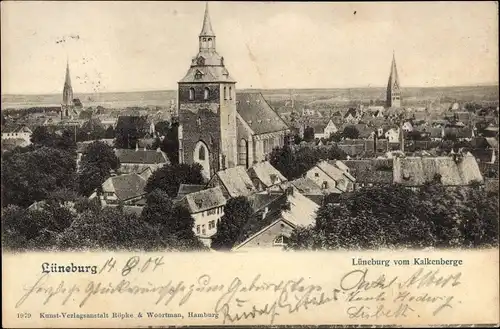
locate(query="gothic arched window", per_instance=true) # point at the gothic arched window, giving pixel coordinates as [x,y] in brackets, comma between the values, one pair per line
[230,93]
[191,94]
[243,153]
[225,92]
[201,153]
[206,93]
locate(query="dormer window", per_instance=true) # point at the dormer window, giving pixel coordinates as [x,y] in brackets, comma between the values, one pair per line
[324,185]
[198,75]
[206,93]
[201,60]
[191,94]
[280,241]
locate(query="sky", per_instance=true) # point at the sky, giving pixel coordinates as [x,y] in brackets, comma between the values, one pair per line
[134,46]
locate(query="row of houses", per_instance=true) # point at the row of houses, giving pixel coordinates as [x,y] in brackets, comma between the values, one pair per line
[279,205]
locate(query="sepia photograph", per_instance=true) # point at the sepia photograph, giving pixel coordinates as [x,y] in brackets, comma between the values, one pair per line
[238,133]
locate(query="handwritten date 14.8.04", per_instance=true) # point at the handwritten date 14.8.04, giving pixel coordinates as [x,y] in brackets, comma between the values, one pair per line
[135,262]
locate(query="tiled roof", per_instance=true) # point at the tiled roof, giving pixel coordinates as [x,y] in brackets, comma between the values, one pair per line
[306,186]
[258,201]
[204,200]
[459,132]
[295,208]
[492,142]
[376,171]
[12,143]
[140,156]
[125,186]
[415,171]
[188,188]
[352,149]
[236,181]
[256,112]
[208,74]
[266,173]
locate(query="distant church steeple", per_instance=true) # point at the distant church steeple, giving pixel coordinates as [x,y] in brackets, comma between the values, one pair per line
[68,89]
[207,35]
[67,101]
[393,87]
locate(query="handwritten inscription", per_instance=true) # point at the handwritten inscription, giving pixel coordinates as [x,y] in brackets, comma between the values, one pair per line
[361,293]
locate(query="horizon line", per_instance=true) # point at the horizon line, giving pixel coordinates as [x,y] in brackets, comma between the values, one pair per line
[482,84]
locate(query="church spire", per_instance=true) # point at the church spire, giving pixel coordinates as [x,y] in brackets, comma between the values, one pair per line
[393,78]
[68,89]
[393,87]
[206,30]
[207,35]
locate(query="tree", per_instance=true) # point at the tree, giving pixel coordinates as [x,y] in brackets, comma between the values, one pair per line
[109,133]
[335,137]
[96,165]
[309,134]
[110,229]
[379,217]
[25,229]
[169,177]
[158,209]
[237,212]
[30,176]
[350,132]
[42,136]
[170,143]
[295,162]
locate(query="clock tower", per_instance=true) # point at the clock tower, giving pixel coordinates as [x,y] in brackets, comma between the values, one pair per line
[207,108]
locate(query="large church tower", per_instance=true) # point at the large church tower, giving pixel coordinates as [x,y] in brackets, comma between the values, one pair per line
[207,108]
[393,87]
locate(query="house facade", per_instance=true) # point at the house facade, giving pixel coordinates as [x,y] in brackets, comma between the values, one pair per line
[270,228]
[207,208]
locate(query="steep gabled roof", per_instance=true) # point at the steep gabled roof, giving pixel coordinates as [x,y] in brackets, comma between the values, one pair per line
[204,200]
[416,171]
[258,114]
[125,186]
[236,181]
[306,186]
[293,208]
[375,171]
[140,156]
[188,188]
[266,173]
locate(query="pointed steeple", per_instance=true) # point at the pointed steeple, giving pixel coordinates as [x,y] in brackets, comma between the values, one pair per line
[393,86]
[206,30]
[393,78]
[68,89]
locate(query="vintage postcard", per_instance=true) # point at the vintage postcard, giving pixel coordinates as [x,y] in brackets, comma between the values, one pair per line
[249,163]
